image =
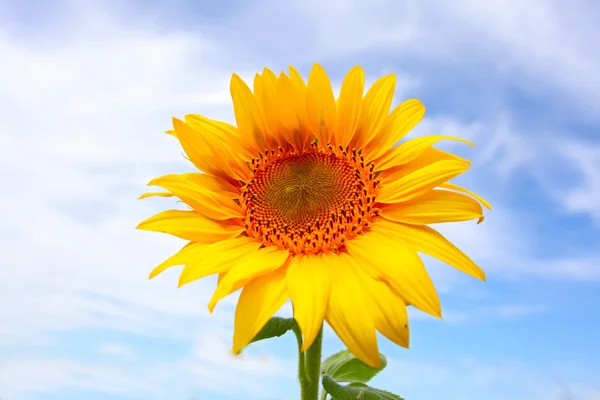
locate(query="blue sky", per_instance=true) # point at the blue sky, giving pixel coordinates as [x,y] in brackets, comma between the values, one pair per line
[87,89]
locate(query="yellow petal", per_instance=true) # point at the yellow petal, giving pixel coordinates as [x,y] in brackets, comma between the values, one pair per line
[247,115]
[190,225]
[349,313]
[389,311]
[301,93]
[180,258]
[429,241]
[349,105]
[205,151]
[297,80]
[171,132]
[228,138]
[420,181]
[217,258]
[375,108]
[158,194]
[309,285]
[291,106]
[223,131]
[270,77]
[428,157]
[410,150]
[215,184]
[386,256]
[434,207]
[461,189]
[320,105]
[404,117]
[256,264]
[264,91]
[259,300]
[208,203]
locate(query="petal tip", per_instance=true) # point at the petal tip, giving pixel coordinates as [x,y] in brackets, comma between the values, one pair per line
[436,312]
[182,280]
[482,276]
[306,344]
[373,361]
[235,79]
[211,306]
[213,301]
[236,349]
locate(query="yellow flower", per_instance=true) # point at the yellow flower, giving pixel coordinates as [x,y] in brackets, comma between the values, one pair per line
[306,199]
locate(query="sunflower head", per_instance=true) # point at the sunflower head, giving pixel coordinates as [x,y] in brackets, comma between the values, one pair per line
[308,199]
[311,201]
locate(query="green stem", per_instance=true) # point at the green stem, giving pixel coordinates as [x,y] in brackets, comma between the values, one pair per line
[312,369]
[301,371]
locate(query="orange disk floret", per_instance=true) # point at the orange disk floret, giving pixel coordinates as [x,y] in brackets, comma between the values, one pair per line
[309,201]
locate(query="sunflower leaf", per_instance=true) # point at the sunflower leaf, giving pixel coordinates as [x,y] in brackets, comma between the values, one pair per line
[344,367]
[355,391]
[275,327]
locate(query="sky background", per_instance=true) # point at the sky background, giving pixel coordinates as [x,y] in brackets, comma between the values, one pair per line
[87,89]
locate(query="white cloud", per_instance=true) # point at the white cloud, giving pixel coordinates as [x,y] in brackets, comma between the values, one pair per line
[211,366]
[81,132]
[481,313]
[116,349]
[470,378]
[535,42]
[24,376]
[585,196]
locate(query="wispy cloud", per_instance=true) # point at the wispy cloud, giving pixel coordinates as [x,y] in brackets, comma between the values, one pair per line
[473,379]
[116,349]
[482,314]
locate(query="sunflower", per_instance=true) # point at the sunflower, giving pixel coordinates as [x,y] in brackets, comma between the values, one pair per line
[307,200]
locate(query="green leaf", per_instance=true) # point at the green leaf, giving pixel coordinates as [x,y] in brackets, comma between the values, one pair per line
[355,391]
[344,367]
[275,327]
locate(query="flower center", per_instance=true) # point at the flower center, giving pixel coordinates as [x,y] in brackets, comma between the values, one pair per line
[309,201]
